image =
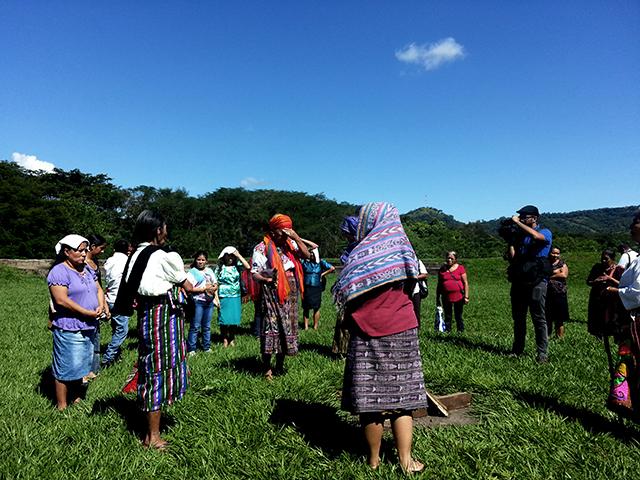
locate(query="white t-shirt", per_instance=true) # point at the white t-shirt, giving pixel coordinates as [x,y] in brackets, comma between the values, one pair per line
[113,270]
[629,288]
[627,257]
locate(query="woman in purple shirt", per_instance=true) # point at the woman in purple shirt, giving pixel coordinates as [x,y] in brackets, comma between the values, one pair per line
[76,307]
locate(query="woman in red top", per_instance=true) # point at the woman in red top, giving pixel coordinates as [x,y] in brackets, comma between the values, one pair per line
[452,291]
[383,373]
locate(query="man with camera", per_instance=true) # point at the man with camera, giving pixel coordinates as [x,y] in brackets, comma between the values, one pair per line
[529,270]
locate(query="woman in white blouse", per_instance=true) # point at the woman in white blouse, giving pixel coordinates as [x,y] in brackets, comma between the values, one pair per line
[154,277]
[626,383]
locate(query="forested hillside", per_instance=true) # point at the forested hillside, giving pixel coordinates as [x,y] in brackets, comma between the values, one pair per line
[38,209]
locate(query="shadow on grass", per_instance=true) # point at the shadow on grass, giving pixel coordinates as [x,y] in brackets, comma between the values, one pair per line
[135,420]
[576,320]
[592,422]
[321,427]
[249,365]
[324,350]
[47,387]
[470,344]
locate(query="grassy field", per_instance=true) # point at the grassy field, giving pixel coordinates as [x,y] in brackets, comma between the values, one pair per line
[534,421]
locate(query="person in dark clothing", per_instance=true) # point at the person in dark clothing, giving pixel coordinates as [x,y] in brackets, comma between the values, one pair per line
[528,272]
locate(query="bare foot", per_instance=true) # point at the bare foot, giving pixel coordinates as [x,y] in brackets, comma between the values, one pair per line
[157,444]
[61,406]
[374,463]
[225,343]
[155,441]
[269,375]
[413,467]
[232,343]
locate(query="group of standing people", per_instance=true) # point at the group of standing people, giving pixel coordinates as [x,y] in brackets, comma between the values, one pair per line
[375,291]
[375,295]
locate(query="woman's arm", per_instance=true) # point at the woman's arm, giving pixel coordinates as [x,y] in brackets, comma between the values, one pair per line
[560,273]
[303,251]
[309,242]
[60,295]
[328,271]
[439,292]
[245,264]
[465,283]
[102,302]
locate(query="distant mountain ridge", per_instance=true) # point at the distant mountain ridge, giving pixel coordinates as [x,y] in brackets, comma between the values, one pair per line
[600,221]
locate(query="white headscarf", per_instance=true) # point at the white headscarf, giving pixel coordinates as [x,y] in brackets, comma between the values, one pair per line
[226,250]
[73,241]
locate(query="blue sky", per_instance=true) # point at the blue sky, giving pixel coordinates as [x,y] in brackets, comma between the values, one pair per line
[475,108]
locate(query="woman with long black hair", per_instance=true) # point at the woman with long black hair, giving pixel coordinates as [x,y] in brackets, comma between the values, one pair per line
[155,279]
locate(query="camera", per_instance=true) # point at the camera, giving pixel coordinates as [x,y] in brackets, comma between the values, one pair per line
[510,232]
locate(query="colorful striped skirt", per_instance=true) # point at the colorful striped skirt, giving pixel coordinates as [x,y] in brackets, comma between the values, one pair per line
[383,374]
[279,321]
[162,364]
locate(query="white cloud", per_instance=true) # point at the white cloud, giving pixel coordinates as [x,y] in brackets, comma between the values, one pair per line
[432,55]
[251,182]
[31,162]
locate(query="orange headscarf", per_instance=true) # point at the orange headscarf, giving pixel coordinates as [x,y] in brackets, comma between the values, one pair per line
[279,221]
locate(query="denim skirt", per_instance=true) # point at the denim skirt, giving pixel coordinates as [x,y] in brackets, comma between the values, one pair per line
[72,354]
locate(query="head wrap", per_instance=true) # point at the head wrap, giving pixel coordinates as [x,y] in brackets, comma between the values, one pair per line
[349,225]
[278,221]
[73,241]
[382,255]
[226,250]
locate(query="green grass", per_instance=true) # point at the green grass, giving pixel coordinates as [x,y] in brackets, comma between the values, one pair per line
[534,421]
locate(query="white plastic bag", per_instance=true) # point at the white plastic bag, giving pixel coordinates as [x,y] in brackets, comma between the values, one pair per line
[438,323]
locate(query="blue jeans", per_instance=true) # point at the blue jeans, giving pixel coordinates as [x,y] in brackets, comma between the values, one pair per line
[202,314]
[119,330]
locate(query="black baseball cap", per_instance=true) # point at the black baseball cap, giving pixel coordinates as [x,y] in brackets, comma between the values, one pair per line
[529,210]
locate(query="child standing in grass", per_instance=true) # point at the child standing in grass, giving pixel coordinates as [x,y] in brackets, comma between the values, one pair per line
[229,292]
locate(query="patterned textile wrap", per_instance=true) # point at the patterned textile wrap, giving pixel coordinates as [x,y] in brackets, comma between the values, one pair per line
[383,254]
[620,396]
[383,374]
[177,297]
[280,320]
[162,365]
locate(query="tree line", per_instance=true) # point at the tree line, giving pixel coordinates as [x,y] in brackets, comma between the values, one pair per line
[38,209]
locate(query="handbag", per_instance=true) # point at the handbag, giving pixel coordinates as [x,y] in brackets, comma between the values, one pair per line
[438,323]
[423,289]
